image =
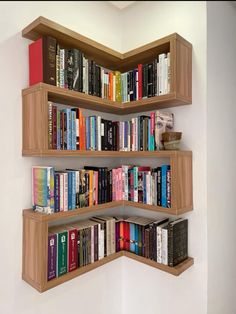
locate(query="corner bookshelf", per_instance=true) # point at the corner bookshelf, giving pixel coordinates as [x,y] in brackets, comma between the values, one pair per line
[35,140]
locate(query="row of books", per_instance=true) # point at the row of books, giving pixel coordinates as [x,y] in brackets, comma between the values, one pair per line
[51,63]
[81,243]
[69,129]
[55,191]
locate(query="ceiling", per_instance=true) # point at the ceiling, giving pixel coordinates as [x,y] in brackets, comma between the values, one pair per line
[121,4]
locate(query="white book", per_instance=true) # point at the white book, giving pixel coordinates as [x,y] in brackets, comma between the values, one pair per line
[101,244]
[164,246]
[99,142]
[168,72]
[125,182]
[133,134]
[159,242]
[61,192]
[158,80]
[165,76]
[113,235]
[129,135]
[62,67]
[84,74]
[92,244]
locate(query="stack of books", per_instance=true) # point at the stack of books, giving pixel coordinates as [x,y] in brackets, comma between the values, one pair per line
[79,244]
[53,64]
[54,191]
[69,129]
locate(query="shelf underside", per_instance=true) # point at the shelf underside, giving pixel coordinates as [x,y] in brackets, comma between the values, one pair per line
[81,100]
[176,271]
[96,208]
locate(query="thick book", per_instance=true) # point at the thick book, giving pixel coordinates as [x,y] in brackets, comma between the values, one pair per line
[42,61]
[72,248]
[177,241]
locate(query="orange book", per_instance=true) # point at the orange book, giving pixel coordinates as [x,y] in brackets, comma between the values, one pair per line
[110,85]
[83,133]
[122,235]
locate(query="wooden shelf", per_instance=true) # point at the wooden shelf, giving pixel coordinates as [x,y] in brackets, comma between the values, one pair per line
[102,154]
[100,53]
[176,271]
[81,100]
[30,213]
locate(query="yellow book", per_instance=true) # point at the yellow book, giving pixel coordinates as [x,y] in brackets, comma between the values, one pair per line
[118,86]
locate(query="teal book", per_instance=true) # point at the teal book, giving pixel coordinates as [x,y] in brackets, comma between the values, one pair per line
[62,240]
[136,239]
[132,237]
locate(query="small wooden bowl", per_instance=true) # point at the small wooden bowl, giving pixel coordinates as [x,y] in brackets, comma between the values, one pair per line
[171,136]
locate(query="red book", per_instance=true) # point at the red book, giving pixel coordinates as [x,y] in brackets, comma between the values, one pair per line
[122,223]
[140,82]
[126,236]
[72,249]
[42,61]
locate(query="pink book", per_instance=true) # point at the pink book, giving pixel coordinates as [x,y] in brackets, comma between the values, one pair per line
[120,184]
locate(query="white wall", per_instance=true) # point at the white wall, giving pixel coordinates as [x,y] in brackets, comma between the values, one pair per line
[147,290]
[98,291]
[221,149]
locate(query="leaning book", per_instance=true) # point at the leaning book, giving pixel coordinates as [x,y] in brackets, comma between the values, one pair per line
[43,189]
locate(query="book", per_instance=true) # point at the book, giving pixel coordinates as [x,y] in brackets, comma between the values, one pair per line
[52,256]
[177,241]
[42,61]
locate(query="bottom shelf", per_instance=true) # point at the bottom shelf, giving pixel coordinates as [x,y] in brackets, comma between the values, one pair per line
[176,271]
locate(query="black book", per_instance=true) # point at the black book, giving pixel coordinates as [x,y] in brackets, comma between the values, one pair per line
[145,80]
[158,186]
[153,230]
[90,75]
[154,78]
[70,68]
[99,170]
[109,135]
[76,70]
[81,55]
[128,85]
[66,69]
[86,189]
[131,85]
[49,59]
[150,80]
[177,241]
[104,134]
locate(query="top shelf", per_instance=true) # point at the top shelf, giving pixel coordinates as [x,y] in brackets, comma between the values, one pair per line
[100,53]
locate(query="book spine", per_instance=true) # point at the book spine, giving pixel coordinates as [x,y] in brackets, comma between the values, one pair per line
[50,123]
[49,60]
[72,249]
[164,246]
[62,253]
[168,187]
[164,169]
[52,256]
[159,243]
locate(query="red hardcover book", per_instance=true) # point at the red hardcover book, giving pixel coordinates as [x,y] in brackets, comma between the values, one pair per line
[72,249]
[140,81]
[42,61]
[126,236]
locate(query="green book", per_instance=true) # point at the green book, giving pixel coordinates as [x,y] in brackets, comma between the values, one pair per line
[62,252]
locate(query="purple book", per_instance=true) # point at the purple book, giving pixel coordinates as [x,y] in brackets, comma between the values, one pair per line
[52,256]
[117,236]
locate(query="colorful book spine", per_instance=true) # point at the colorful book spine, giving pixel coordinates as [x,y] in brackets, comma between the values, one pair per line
[72,249]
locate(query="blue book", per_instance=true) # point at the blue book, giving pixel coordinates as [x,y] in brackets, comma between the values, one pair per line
[69,190]
[164,169]
[95,133]
[73,196]
[136,238]
[87,130]
[132,237]
[57,193]
[144,188]
[73,130]
[149,134]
